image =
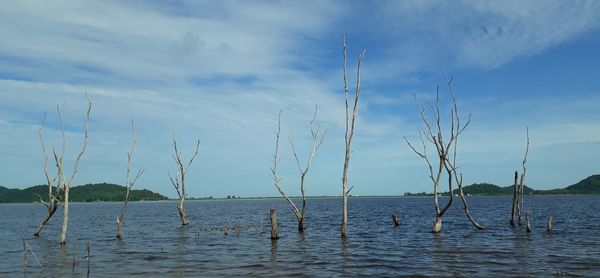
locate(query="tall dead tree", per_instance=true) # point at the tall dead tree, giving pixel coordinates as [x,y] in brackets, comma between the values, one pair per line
[53,195]
[179,180]
[515,198]
[128,182]
[317,140]
[348,135]
[521,187]
[446,149]
[62,179]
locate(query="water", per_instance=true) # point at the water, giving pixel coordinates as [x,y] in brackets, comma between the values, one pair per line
[155,244]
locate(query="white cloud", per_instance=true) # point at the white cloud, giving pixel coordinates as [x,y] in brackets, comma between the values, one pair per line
[220,71]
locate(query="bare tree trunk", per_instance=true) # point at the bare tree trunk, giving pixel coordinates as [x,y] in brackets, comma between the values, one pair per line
[437,224]
[466,207]
[522,180]
[274,233]
[528,224]
[179,180]
[549,224]
[51,211]
[182,215]
[63,233]
[349,134]
[514,200]
[128,183]
[67,182]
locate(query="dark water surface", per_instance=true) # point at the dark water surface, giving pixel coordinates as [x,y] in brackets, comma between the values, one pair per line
[155,244]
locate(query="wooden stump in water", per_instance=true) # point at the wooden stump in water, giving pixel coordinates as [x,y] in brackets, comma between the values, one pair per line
[437,225]
[274,234]
[396,220]
[528,223]
[549,224]
[87,258]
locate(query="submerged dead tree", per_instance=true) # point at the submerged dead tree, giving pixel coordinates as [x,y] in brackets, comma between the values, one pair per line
[348,135]
[446,149]
[128,182]
[519,188]
[62,179]
[179,180]
[317,138]
[53,195]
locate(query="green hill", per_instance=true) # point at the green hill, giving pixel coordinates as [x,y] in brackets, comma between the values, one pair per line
[589,185]
[491,189]
[83,193]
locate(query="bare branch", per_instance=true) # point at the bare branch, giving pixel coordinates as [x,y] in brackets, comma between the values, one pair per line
[291,139]
[85,139]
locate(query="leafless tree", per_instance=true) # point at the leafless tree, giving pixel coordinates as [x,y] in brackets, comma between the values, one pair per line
[348,135]
[446,149]
[128,181]
[317,140]
[521,187]
[53,195]
[179,180]
[62,180]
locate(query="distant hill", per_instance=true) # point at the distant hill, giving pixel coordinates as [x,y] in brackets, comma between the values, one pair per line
[82,193]
[589,185]
[490,189]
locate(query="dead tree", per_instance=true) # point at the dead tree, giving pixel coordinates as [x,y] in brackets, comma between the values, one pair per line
[348,135]
[521,187]
[446,149]
[128,182]
[317,140]
[179,180]
[53,195]
[62,180]
[514,200]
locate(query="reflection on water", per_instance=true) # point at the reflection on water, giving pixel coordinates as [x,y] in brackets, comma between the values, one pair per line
[226,239]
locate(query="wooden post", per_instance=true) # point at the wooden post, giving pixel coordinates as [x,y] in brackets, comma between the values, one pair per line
[274,234]
[74,258]
[87,258]
[24,257]
[396,220]
[514,200]
[549,224]
[528,223]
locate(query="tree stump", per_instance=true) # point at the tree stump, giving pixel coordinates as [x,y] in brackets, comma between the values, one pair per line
[528,223]
[437,225]
[274,234]
[549,224]
[396,220]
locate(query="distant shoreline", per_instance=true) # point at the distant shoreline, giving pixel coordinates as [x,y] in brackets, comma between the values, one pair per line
[308,198]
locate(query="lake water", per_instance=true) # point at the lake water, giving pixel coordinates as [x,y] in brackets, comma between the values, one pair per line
[155,244]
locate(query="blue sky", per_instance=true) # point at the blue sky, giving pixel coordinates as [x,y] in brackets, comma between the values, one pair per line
[219,71]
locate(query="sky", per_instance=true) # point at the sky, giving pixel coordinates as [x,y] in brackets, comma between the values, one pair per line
[220,72]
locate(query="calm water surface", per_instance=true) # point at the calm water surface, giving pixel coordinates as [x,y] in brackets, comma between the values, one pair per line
[155,244]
